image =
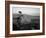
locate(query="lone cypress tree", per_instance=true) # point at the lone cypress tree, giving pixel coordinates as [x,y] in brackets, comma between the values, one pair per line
[19,18]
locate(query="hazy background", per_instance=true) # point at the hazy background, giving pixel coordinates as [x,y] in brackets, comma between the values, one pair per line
[27,10]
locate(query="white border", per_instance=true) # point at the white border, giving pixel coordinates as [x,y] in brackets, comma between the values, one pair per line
[27,31]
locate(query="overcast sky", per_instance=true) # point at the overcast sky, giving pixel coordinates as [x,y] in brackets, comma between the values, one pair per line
[27,10]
